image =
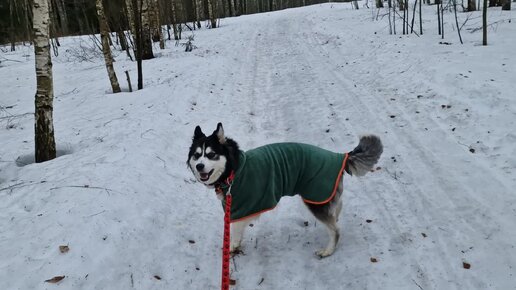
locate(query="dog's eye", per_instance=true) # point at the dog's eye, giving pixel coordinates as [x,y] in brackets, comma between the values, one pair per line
[210,155]
[197,155]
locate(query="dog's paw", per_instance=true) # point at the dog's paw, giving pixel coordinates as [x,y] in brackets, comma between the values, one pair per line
[323,253]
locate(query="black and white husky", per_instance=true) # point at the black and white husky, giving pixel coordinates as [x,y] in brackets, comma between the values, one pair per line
[218,162]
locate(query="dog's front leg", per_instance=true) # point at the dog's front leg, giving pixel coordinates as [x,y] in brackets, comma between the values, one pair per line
[237,233]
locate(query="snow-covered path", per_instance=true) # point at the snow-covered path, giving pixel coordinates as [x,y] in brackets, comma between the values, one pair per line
[317,75]
[433,203]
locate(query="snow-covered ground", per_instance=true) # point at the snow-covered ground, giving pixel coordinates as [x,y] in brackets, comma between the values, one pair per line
[123,201]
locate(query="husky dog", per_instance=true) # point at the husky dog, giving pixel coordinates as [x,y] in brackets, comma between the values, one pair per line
[258,178]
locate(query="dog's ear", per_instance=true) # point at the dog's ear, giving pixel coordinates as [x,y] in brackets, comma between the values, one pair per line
[198,133]
[219,132]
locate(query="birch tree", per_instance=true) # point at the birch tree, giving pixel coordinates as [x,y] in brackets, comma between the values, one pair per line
[155,23]
[198,7]
[104,37]
[146,30]
[43,128]
[212,10]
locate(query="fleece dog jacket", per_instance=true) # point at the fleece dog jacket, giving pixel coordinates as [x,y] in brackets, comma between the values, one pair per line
[267,173]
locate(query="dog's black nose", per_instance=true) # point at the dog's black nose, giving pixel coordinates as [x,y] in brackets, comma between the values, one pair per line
[199,166]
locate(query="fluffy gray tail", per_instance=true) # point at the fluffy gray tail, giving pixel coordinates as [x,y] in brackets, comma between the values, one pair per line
[362,159]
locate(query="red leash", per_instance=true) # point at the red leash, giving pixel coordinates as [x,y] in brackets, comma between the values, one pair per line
[225,246]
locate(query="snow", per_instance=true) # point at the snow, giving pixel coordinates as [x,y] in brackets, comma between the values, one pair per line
[121,197]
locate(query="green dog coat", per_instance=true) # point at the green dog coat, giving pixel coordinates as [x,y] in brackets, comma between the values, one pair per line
[267,173]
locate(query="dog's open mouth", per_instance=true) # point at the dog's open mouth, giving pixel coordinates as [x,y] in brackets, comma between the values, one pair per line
[205,176]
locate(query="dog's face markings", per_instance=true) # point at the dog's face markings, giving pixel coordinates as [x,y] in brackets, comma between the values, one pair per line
[205,159]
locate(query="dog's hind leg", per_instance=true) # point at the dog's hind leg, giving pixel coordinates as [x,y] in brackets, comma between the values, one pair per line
[328,214]
[237,234]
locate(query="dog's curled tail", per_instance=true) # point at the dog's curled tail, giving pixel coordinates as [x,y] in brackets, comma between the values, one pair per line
[362,159]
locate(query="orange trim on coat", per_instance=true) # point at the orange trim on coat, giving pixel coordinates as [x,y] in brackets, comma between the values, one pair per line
[252,215]
[334,187]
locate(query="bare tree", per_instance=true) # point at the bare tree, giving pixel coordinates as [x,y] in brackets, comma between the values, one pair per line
[212,10]
[144,15]
[437,2]
[413,17]
[104,37]
[232,4]
[12,32]
[62,14]
[198,7]
[456,20]
[155,23]
[136,9]
[174,20]
[472,5]
[44,128]
[420,19]
[484,23]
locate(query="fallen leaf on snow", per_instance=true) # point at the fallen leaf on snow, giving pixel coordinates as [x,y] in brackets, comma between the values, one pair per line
[64,249]
[374,260]
[466,265]
[55,279]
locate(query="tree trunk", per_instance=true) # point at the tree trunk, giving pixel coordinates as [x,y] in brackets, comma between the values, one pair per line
[226,8]
[484,23]
[379,4]
[233,12]
[404,17]
[158,22]
[63,17]
[401,5]
[506,4]
[43,129]
[174,20]
[211,13]
[442,20]
[198,7]
[413,17]
[438,17]
[456,20]
[472,5]
[420,19]
[130,16]
[155,23]
[12,33]
[146,30]
[138,40]
[104,37]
